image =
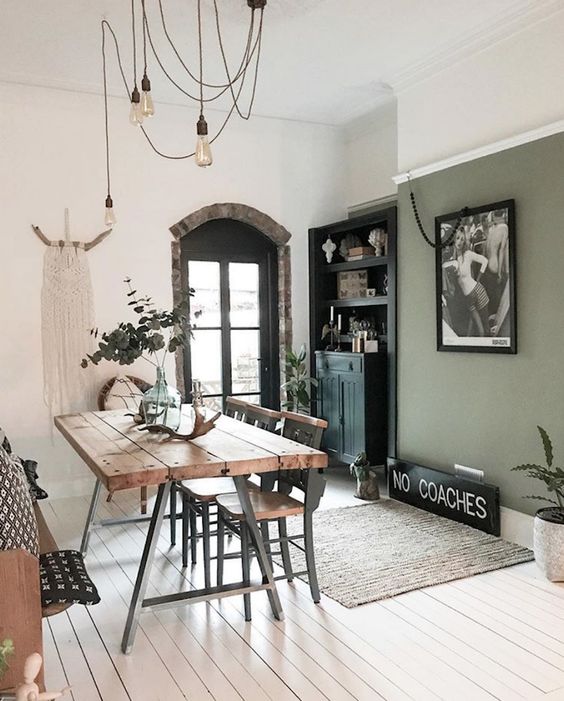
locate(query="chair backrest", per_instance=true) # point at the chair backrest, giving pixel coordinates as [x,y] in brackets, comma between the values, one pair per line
[306,430]
[261,417]
[128,400]
[236,408]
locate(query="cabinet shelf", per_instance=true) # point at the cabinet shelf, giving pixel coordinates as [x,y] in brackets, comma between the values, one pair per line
[358,302]
[356,264]
[358,401]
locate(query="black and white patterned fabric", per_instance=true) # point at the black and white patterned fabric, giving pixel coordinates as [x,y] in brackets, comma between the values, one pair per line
[64,579]
[30,469]
[29,466]
[4,442]
[18,527]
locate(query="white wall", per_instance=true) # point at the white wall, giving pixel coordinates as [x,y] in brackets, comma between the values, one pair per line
[51,157]
[371,155]
[511,87]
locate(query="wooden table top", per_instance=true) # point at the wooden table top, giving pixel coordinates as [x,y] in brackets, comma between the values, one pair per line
[122,456]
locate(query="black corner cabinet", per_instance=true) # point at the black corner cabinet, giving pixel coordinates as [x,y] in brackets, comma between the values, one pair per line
[356,392]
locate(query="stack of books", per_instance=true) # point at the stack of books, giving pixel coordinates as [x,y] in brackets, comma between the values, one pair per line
[360,253]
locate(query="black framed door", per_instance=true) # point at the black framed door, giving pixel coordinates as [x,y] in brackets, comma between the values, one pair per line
[234,313]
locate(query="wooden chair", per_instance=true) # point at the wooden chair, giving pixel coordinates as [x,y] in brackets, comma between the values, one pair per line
[198,495]
[277,506]
[236,408]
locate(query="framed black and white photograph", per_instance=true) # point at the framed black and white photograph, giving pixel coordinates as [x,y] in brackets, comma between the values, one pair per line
[476,309]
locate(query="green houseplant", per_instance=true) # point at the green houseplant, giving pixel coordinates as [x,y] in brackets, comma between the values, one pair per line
[298,384]
[549,521]
[155,334]
[6,651]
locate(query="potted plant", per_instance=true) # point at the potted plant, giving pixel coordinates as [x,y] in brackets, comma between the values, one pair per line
[155,334]
[549,521]
[6,651]
[298,384]
[366,479]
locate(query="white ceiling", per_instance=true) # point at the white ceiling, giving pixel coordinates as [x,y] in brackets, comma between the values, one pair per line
[325,61]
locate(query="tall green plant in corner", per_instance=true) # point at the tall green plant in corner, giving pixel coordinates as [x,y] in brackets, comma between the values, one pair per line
[550,475]
[298,383]
[548,534]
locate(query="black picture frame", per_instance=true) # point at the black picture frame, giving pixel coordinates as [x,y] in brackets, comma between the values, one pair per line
[476,311]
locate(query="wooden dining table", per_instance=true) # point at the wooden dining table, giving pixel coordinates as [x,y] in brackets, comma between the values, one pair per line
[123,456]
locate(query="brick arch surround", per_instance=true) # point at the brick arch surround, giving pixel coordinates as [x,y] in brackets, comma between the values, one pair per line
[265,225]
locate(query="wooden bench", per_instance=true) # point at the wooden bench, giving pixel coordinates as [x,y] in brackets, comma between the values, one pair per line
[20,604]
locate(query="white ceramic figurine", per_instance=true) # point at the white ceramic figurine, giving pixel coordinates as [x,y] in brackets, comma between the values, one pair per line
[29,691]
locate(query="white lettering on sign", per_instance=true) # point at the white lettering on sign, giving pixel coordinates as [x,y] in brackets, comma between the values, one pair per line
[451,497]
[401,481]
[423,488]
[481,507]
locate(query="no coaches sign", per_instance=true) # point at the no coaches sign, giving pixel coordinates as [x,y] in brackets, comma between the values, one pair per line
[473,503]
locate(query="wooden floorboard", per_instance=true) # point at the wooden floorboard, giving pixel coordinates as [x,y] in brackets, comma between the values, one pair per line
[498,635]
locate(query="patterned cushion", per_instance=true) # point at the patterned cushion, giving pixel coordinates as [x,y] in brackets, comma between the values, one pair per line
[64,579]
[4,442]
[30,470]
[29,466]
[18,527]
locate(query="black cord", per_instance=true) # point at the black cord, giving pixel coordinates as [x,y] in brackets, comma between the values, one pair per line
[144,22]
[106,125]
[134,43]
[441,244]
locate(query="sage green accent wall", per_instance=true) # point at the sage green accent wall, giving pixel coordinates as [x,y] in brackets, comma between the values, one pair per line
[481,409]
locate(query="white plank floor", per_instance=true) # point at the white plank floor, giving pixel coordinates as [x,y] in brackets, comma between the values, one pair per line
[495,636]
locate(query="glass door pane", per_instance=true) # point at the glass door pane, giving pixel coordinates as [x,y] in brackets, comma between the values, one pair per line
[244,294]
[245,363]
[205,305]
[206,358]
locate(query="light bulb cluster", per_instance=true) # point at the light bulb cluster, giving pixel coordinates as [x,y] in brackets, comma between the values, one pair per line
[141,104]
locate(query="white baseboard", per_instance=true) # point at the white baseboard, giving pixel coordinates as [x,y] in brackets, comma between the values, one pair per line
[517,527]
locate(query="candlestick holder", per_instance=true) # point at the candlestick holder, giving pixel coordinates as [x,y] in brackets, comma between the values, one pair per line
[334,344]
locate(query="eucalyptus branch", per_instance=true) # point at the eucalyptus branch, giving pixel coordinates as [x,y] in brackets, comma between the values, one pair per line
[128,341]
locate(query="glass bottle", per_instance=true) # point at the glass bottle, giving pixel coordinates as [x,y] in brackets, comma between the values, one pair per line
[162,404]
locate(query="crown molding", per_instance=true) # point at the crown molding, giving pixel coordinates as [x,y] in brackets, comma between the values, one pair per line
[487,150]
[520,16]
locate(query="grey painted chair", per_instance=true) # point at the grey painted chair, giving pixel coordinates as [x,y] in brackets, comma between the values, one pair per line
[199,495]
[278,506]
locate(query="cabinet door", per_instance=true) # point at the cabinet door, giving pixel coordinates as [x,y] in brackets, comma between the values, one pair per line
[328,408]
[351,390]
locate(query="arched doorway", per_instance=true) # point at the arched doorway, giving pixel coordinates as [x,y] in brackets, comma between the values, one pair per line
[225,244]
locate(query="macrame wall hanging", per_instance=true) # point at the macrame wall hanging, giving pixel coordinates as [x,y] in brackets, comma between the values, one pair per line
[67,315]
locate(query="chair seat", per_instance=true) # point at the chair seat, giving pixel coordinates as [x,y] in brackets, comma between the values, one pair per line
[208,488]
[266,505]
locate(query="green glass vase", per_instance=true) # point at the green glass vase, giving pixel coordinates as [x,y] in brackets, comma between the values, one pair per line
[162,404]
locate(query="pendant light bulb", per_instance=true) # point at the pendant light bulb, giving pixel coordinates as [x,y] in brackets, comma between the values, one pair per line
[135,114]
[110,217]
[203,153]
[147,106]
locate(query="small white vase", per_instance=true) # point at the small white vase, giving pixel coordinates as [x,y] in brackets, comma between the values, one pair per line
[549,543]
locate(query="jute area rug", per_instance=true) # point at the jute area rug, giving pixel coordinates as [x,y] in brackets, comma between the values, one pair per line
[374,551]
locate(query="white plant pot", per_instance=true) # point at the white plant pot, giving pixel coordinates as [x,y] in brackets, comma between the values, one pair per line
[549,544]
